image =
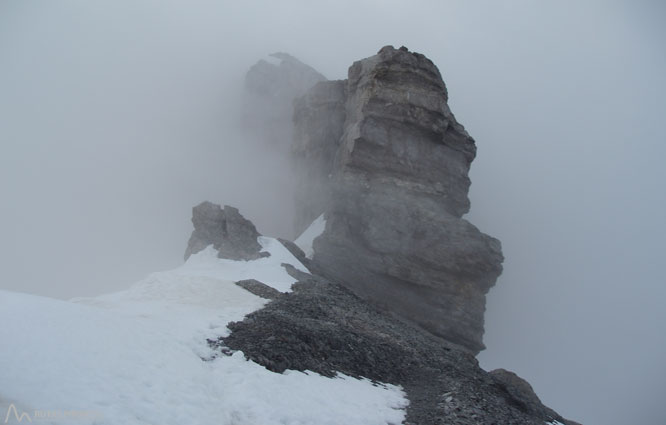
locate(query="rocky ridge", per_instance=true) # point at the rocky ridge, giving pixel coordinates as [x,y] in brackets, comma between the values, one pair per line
[397,282]
[323,327]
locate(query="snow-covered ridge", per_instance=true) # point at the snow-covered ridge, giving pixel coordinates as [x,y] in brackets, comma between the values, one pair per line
[137,356]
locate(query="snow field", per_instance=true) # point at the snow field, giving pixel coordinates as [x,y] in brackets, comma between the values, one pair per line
[135,357]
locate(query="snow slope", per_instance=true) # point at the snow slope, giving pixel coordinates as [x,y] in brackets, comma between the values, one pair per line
[304,241]
[137,356]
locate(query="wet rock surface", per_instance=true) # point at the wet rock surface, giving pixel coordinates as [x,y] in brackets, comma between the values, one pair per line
[399,278]
[325,328]
[231,234]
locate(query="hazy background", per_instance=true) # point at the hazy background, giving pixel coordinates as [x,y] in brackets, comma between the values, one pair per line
[117,117]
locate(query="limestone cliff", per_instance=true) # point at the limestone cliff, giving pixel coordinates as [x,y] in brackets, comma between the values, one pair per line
[384,158]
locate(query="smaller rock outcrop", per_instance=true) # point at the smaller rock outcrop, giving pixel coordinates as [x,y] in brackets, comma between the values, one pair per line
[231,234]
[522,394]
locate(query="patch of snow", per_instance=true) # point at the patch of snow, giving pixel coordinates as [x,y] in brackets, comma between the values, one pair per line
[267,270]
[135,357]
[304,241]
[554,423]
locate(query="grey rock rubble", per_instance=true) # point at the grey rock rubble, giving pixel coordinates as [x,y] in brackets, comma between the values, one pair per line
[384,158]
[231,234]
[521,391]
[323,327]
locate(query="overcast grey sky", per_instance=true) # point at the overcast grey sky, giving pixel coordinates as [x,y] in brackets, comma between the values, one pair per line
[117,117]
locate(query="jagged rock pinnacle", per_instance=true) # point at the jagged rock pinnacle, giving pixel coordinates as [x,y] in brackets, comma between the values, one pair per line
[233,236]
[384,158]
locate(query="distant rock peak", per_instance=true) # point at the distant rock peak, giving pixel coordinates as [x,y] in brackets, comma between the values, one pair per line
[267,104]
[284,77]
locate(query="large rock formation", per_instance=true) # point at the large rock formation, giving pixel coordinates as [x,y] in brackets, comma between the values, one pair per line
[232,235]
[386,161]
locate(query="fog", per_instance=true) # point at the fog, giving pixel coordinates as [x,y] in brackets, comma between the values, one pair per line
[117,117]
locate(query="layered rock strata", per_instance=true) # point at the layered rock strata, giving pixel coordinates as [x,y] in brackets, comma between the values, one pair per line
[385,159]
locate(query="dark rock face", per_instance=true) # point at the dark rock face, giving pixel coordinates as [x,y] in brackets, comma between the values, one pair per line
[392,180]
[259,289]
[233,236]
[397,293]
[323,327]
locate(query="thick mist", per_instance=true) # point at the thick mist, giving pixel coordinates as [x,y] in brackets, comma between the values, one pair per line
[117,117]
